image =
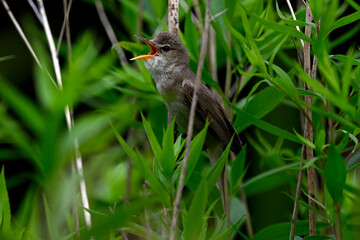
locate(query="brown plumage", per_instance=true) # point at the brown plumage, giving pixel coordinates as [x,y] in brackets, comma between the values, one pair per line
[168,64]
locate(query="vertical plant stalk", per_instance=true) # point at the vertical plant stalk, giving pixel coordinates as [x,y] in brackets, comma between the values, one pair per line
[68,116]
[191,122]
[249,227]
[26,41]
[300,174]
[173,27]
[212,54]
[64,25]
[294,17]
[338,234]
[173,16]
[308,126]
[110,31]
[66,29]
[228,69]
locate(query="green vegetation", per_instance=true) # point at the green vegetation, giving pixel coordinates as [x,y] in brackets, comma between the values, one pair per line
[132,159]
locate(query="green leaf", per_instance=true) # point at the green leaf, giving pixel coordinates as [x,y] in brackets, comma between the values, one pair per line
[261,104]
[251,52]
[285,83]
[7,58]
[155,146]
[281,230]
[154,183]
[5,214]
[137,48]
[195,150]
[344,21]
[266,174]
[237,169]
[223,234]
[264,125]
[291,22]
[280,28]
[53,234]
[346,58]
[167,156]
[306,205]
[353,138]
[217,169]
[335,173]
[336,99]
[304,140]
[317,8]
[22,106]
[194,219]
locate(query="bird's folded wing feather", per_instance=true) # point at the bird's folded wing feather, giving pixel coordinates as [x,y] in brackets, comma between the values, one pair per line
[208,107]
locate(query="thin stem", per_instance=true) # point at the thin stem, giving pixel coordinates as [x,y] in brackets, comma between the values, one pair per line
[249,227]
[294,17]
[110,31]
[21,32]
[191,122]
[228,69]
[64,27]
[308,126]
[68,115]
[34,8]
[165,218]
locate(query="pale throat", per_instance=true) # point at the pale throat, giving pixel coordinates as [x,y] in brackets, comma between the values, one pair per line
[163,73]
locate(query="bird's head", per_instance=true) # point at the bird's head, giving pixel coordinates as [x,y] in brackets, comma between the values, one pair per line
[166,51]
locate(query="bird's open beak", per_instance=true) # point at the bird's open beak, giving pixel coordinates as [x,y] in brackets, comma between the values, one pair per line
[153,50]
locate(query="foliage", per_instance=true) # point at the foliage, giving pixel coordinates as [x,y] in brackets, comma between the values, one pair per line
[132,159]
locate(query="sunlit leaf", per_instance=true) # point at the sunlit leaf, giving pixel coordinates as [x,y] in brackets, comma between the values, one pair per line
[344,21]
[5,215]
[195,215]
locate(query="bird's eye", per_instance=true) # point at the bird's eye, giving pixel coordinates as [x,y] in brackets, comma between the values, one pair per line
[166,48]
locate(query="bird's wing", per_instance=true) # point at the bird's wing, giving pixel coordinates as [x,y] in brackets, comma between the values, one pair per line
[208,107]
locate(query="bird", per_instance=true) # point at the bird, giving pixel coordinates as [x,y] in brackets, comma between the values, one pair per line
[168,63]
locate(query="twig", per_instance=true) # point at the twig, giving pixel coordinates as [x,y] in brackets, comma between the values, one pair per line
[27,43]
[173,27]
[309,128]
[294,17]
[191,121]
[173,16]
[68,116]
[36,11]
[110,31]
[67,28]
[73,167]
[65,22]
[218,14]
[228,69]
[165,218]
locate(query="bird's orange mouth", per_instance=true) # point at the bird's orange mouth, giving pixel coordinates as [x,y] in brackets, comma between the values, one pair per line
[153,50]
